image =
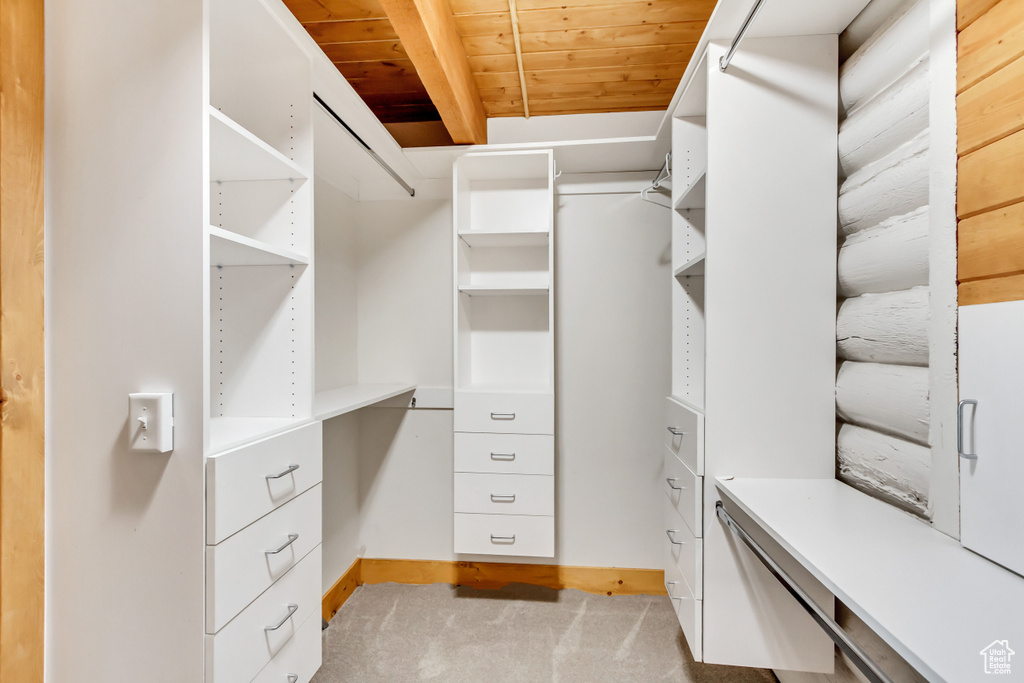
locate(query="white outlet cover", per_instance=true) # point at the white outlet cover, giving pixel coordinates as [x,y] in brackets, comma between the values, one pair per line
[151,422]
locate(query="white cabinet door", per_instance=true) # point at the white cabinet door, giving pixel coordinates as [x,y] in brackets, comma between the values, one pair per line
[992,373]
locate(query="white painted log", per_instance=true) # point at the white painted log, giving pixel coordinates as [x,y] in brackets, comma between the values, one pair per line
[892,469]
[892,399]
[889,257]
[893,117]
[898,44]
[865,24]
[892,186]
[885,328]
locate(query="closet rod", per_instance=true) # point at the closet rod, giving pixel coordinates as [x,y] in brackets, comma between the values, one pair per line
[369,150]
[723,63]
[827,624]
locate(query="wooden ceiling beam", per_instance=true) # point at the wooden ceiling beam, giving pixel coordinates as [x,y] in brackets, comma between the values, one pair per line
[432,41]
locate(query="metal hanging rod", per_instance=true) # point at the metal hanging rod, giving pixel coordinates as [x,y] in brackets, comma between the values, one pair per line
[723,63]
[369,150]
[827,624]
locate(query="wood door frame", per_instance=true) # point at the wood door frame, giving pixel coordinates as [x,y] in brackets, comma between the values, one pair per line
[22,472]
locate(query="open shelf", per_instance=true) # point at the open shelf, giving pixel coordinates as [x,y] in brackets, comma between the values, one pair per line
[237,154]
[228,432]
[334,402]
[506,388]
[693,196]
[694,266]
[486,290]
[231,249]
[483,238]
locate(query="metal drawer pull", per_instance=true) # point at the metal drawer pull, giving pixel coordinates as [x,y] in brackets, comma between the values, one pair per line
[676,431]
[672,484]
[960,429]
[503,539]
[503,416]
[291,539]
[503,456]
[293,678]
[669,590]
[292,609]
[291,468]
[669,532]
[499,498]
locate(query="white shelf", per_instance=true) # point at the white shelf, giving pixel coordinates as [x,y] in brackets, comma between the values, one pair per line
[237,154]
[328,404]
[485,290]
[693,195]
[694,266]
[688,405]
[228,432]
[936,603]
[231,249]
[482,238]
[506,388]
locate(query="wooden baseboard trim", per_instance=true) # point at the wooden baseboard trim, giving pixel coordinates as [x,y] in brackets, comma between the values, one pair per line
[341,590]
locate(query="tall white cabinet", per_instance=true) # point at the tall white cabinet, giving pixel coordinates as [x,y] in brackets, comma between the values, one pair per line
[753,319]
[504,354]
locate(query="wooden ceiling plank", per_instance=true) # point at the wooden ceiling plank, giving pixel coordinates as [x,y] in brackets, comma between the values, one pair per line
[629,14]
[431,39]
[388,84]
[547,92]
[621,56]
[328,32]
[375,51]
[493,64]
[491,23]
[307,11]
[645,72]
[587,39]
[398,68]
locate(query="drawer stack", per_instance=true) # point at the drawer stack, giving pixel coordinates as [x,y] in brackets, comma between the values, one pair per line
[263,568]
[504,474]
[684,517]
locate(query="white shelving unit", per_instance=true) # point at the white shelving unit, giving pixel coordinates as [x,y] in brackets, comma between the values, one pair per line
[504,352]
[335,402]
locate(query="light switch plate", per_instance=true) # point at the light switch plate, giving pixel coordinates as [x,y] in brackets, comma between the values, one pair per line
[151,422]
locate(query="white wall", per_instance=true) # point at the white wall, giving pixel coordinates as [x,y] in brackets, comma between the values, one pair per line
[124,244]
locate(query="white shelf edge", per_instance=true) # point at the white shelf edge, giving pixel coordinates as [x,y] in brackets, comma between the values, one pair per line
[477,290]
[694,266]
[227,433]
[244,133]
[505,238]
[263,254]
[505,389]
[694,192]
[334,402]
[687,404]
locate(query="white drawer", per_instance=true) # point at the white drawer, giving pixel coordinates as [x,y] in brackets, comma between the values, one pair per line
[504,453]
[689,611]
[686,491]
[684,550]
[514,535]
[242,648]
[504,413]
[684,434]
[505,494]
[240,568]
[245,483]
[300,657]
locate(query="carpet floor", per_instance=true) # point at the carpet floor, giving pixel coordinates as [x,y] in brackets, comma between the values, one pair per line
[395,633]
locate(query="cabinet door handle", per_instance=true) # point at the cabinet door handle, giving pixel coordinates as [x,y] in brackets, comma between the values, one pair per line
[503,456]
[291,468]
[503,416]
[676,431]
[672,484]
[291,539]
[669,590]
[669,532]
[503,498]
[503,539]
[960,429]
[292,609]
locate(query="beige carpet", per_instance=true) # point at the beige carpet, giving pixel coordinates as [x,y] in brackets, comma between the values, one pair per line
[394,633]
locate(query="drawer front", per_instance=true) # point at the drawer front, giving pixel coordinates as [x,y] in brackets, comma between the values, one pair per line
[684,434]
[505,494]
[684,550]
[689,612]
[246,483]
[240,568]
[242,648]
[686,491]
[514,535]
[504,413]
[504,453]
[300,657]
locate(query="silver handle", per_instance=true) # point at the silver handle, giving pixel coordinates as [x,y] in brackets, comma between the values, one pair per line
[500,498]
[293,678]
[669,532]
[669,590]
[292,609]
[676,431]
[503,456]
[503,416]
[291,539]
[671,484]
[960,429]
[291,468]
[503,539]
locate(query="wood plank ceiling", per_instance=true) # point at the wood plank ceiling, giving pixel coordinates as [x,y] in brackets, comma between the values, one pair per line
[578,56]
